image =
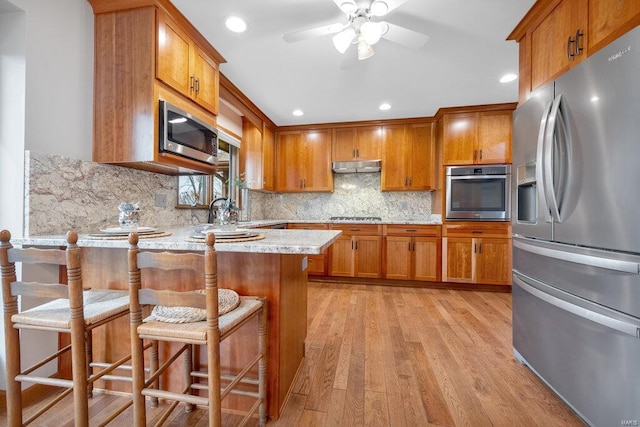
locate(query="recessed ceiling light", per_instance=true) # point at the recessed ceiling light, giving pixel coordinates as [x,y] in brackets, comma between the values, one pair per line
[508,78]
[236,24]
[385,106]
[298,113]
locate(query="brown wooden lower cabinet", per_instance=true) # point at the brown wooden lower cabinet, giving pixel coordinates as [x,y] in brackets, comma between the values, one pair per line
[477,253]
[317,265]
[412,252]
[357,252]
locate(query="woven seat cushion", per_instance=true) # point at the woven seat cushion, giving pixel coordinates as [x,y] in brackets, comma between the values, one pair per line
[197,331]
[228,300]
[98,305]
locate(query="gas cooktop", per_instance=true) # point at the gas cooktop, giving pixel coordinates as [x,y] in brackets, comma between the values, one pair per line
[355,218]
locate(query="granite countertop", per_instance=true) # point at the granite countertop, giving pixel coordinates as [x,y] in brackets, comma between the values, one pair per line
[269,222]
[275,241]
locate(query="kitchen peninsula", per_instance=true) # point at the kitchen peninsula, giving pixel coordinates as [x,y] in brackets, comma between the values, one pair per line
[273,267]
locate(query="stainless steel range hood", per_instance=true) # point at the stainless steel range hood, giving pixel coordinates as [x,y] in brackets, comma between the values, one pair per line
[356,166]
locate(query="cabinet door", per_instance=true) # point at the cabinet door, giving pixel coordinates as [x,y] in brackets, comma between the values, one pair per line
[426,254]
[343,146]
[457,259]
[422,157]
[288,173]
[368,142]
[494,142]
[460,133]
[493,261]
[395,158]
[549,41]
[268,159]
[205,71]
[367,256]
[341,257]
[399,257]
[610,19]
[315,166]
[251,155]
[173,60]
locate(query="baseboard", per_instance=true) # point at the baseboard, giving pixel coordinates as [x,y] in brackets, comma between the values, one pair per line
[409,283]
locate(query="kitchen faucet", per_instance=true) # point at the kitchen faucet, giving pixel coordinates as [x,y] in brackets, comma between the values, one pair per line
[212,215]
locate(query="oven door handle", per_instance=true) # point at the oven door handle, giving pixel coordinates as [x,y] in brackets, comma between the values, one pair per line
[463,177]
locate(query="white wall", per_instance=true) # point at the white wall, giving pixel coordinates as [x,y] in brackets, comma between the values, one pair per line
[46,104]
[12,99]
[59,76]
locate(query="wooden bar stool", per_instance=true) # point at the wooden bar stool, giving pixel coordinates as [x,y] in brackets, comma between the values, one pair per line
[191,319]
[74,311]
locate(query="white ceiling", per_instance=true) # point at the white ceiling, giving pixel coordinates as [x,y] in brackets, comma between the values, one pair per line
[460,64]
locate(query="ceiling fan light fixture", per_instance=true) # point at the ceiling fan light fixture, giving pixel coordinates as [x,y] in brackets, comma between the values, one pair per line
[371,32]
[343,39]
[364,50]
[348,7]
[379,8]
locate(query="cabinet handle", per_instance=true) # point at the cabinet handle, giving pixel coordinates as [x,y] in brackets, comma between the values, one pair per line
[351,244]
[474,248]
[411,230]
[354,229]
[197,85]
[191,82]
[356,245]
[479,248]
[410,181]
[570,52]
[475,154]
[353,153]
[480,154]
[357,152]
[579,36]
[409,247]
[476,231]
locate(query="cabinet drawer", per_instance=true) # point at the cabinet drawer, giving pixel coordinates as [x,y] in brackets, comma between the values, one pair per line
[502,229]
[412,230]
[358,229]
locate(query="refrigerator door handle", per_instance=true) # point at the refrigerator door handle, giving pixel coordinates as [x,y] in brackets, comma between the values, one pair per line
[589,260]
[540,169]
[555,128]
[601,319]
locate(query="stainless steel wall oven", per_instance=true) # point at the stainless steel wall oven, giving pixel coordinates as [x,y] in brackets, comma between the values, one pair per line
[478,193]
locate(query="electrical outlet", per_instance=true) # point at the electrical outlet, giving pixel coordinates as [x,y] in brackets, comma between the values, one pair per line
[161,200]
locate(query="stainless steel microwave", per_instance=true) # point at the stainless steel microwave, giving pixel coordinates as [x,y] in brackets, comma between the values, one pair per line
[478,193]
[187,136]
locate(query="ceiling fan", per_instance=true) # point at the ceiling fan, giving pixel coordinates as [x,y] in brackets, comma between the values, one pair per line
[362,28]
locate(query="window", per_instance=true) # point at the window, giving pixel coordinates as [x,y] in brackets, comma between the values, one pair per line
[197,191]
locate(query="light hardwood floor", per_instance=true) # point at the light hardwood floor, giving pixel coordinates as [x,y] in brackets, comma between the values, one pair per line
[394,356]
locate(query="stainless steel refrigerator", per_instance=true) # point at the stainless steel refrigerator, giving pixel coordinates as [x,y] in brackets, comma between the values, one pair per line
[576,225]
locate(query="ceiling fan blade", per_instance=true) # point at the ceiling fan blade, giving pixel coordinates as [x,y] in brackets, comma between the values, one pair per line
[324,30]
[405,37]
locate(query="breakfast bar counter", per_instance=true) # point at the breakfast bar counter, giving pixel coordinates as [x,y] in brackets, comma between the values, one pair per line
[273,267]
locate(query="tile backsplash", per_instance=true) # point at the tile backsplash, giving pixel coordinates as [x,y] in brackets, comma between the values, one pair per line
[353,195]
[63,194]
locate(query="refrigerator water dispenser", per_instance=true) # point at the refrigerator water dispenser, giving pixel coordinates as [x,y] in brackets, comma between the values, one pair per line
[526,194]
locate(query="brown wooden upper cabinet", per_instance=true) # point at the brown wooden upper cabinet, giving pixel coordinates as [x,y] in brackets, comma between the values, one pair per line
[356,143]
[407,157]
[303,161]
[257,156]
[556,35]
[477,138]
[185,67]
[143,55]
